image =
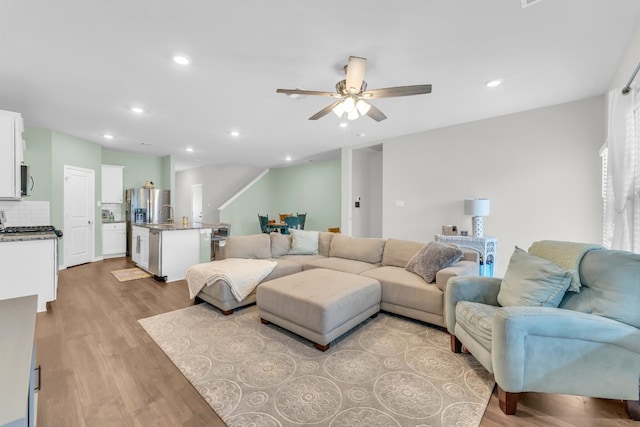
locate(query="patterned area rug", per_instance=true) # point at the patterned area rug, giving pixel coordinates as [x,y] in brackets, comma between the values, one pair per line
[389,371]
[130,274]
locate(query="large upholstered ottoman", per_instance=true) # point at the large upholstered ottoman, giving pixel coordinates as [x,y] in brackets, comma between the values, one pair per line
[319,304]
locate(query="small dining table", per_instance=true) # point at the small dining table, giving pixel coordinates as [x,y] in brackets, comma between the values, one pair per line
[278,227]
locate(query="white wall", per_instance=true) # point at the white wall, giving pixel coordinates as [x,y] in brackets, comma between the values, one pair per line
[367,185]
[219,183]
[539,168]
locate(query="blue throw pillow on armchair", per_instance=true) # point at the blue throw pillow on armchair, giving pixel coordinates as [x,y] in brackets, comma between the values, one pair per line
[533,281]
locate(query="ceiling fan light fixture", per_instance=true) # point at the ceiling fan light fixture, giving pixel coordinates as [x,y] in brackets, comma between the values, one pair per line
[352,115]
[349,104]
[363,107]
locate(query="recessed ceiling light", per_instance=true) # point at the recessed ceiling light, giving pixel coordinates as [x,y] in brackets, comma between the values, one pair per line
[181,60]
[189,149]
[234,133]
[493,83]
[108,136]
[288,158]
[344,124]
[137,110]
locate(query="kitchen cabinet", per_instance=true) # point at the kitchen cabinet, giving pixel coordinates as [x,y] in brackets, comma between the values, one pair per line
[140,246]
[29,267]
[112,184]
[11,152]
[18,401]
[114,239]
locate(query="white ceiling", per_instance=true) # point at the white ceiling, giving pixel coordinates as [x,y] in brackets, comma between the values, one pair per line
[76,66]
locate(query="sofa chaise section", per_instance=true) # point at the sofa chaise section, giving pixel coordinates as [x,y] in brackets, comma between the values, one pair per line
[406,293]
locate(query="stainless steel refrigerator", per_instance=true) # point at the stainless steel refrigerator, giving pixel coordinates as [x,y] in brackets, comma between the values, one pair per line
[144,205]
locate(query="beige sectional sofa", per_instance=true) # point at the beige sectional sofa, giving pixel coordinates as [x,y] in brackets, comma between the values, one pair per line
[384,260]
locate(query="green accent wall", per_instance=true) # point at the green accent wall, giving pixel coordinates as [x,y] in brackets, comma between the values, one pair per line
[38,155]
[139,168]
[314,189]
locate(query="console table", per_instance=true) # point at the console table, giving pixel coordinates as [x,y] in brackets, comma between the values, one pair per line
[486,246]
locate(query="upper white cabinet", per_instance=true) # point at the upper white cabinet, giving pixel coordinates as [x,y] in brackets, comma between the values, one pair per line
[11,128]
[112,184]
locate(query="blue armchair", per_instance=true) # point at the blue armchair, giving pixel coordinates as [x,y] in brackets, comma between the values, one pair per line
[589,345]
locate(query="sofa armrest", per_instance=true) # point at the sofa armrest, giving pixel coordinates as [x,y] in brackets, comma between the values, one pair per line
[564,351]
[460,268]
[468,288]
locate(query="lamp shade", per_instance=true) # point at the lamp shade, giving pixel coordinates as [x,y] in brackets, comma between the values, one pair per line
[476,207]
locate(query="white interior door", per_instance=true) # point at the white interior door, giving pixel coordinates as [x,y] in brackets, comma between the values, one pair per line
[196,202]
[79,214]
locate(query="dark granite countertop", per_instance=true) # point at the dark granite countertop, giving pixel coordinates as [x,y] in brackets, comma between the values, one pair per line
[19,237]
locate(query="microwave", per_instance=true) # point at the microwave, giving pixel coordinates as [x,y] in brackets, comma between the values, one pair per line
[26,181]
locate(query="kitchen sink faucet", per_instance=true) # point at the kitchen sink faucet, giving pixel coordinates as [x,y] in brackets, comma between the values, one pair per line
[170,219]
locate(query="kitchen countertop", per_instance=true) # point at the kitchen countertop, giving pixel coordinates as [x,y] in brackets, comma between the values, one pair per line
[18,237]
[178,225]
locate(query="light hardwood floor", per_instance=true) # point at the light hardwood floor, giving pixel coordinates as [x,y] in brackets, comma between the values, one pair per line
[100,368]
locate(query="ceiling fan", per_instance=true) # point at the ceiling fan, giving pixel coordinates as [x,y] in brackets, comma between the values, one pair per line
[354,96]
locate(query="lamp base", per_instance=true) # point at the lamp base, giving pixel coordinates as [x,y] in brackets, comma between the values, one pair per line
[476,226]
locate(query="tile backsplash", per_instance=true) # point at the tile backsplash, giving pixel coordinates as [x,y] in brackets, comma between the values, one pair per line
[26,213]
[116,209]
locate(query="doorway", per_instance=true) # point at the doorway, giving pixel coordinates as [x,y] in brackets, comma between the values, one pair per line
[79,215]
[196,202]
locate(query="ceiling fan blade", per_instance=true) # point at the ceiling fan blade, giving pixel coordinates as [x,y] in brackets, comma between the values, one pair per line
[355,73]
[324,111]
[375,113]
[397,91]
[306,92]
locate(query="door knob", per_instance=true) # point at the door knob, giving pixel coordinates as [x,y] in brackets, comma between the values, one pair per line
[89,222]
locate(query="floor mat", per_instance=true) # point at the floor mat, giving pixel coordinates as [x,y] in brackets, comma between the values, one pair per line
[130,274]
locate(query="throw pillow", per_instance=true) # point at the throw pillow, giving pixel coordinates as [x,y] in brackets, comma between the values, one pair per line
[303,242]
[533,281]
[280,244]
[432,258]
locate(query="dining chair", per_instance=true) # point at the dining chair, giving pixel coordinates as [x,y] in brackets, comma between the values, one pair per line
[303,218]
[291,222]
[283,216]
[264,223]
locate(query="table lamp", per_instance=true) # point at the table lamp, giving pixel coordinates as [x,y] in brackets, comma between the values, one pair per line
[477,208]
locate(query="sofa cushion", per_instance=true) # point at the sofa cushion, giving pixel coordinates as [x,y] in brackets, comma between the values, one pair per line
[256,246]
[400,287]
[303,242]
[280,244]
[365,249]
[432,258]
[533,281]
[339,264]
[477,320]
[324,242]
[398,252]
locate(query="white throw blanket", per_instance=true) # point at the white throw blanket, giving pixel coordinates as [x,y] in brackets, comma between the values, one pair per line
[242,275]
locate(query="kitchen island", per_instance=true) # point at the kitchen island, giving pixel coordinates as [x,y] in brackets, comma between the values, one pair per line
[167,250]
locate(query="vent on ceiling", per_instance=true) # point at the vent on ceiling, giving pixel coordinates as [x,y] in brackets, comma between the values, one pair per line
[527,3]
